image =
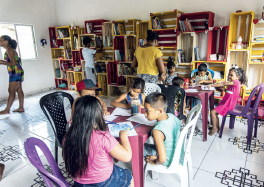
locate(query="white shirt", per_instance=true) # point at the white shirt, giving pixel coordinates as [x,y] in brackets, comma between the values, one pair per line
[88,57]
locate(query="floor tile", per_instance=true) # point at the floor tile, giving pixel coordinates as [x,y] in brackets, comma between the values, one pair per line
[44,132]
[11,133]
[197,155]
[256,169]
[206,179]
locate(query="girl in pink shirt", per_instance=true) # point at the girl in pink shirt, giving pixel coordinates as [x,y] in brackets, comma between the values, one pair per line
[236,77]
[88,148]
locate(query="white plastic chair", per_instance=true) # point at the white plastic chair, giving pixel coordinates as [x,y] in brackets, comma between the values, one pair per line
[151,87]
[184,171]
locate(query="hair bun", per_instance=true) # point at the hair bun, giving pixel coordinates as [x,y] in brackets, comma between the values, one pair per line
[149,32]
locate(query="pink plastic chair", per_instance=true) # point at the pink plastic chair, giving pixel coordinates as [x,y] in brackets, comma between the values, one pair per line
[56,178]
[248,111]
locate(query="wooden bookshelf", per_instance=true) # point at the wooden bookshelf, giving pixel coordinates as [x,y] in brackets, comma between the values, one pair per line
[142,27]
[129,26]
[94,26]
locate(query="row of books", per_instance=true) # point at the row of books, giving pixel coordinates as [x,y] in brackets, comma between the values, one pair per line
[119,29]
[54,43]
[89,27]
[108,41]
[62,33]
[185,25]
[196,52]
[156,23]
[142,42]
[126,69]
[119,56]
[181,57]
[75,42]
[68,54]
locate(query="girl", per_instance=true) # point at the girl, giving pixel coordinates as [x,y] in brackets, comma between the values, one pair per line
[236,77]
[136,91]
[148,59]
[16,73]
[88,148]
[171,71]
[162,78]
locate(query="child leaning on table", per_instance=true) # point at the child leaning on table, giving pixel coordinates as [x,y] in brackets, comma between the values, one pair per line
[202,76]
[165,133]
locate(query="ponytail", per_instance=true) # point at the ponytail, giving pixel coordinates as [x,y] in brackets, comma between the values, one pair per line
[242,75]
[152,36]
[11,42]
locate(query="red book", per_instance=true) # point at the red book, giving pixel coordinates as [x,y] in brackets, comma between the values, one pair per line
[186,27]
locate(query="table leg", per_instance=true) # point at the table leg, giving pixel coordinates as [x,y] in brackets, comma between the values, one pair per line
[204,99]
[211,98]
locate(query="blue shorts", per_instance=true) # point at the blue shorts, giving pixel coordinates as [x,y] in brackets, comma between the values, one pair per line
[119,177]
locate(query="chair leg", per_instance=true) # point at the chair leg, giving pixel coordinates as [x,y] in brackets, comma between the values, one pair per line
[256,125]
[56,151]
[250,129]
[155,175]
[184,177]
[232,121]
[222,126]
[190,172]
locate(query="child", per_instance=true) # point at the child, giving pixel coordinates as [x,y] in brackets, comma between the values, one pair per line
[162,78]
[89,59]
[87,87]
[236,77]
[165,133]
[202,76]
[136,91]
[171,71]
[88,148]
[178,81]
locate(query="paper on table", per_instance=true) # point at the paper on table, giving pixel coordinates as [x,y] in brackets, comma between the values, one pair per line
[114,129]
[191,90]
[140,118]
[204,87]
[121,112]
[110,117]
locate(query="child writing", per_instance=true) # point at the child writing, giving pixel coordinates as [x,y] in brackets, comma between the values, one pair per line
[165,133]
[236,77]
[88,148]
[171,71]
[178,81]
[162,78]
[202,76]
[89,59]
[136,91]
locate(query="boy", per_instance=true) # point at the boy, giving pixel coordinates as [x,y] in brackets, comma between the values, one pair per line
[89,59]
[178,81]
[165,133]
[202,76]
[171,71]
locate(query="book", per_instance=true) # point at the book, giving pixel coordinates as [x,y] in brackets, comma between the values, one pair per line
[196,51]
[179,55]
[121,29]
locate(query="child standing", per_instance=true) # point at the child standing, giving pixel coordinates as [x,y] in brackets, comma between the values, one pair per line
[165,133]
[162,78]
[178,81]
[89,59]
[171,71]
[136,91]
[236,77]
[202,76]
[88,148]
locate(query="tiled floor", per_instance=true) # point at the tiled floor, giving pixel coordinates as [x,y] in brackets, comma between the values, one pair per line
[217,162]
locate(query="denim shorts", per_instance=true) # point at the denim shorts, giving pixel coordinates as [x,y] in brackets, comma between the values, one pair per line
[119,177]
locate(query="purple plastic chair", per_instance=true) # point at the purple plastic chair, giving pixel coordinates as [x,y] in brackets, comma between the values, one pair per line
[56,178]
[248,111]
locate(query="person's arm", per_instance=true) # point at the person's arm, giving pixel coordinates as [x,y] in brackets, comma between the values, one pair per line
[184,105]
[11,55]
[143,100]
[160,147]
[134,63]
[122,151]
[209,81]
[222,84]
[116,102]
[105,112]
[160,64]
[191,80]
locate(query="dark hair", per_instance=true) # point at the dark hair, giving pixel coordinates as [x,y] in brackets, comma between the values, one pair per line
[241,73]
[170,63]
[86,40]
[202,67]
[152,36]
[177,81]
[157,100]
[138,83]
[87,116]
[11,42]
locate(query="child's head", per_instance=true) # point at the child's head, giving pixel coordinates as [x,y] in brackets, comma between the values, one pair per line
[162,75]
[178,81]
[87,116]
[202,69]
[87,87]
[237,74]
[152,37]
[170,65]
[155,105]
[137,87]
[87,41]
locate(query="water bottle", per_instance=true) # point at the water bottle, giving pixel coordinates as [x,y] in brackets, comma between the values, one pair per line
[239,43]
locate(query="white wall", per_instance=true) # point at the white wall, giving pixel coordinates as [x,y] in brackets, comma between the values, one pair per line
[41,14]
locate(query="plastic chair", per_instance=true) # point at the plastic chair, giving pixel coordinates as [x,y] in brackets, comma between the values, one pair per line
[52,106]
[170,92]
[248,111]
[151,87]
[56,176]
[194,71]
[184,171]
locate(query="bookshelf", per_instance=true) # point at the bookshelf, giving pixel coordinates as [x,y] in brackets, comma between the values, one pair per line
[169,52]
[94,26]
[142,27]
[103,83]
[124,27]
[256,53]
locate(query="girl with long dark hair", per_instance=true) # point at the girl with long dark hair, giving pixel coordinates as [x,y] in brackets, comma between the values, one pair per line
[15,71]
[88,148]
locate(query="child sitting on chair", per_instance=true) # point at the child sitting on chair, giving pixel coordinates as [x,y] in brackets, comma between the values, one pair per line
[136,91]
[162,78]
[165,133]
[202,76]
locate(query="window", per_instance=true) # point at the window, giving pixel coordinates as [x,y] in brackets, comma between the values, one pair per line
[24,35]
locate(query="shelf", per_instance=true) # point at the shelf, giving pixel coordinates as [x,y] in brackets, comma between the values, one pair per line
[58,48]
[105,61]
[108,48]
[68,70]
[64,38]
[238,50]
[121,86]
[257,43]
[184,64]
[257,63]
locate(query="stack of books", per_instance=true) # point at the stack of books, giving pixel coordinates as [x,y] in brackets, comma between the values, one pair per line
[126,69]
[119,29]
[119,56]
[62,33]
[142,42]
[156,23]
[185,26]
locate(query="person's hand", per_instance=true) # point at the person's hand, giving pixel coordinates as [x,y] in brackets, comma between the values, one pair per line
[191,83]
[106,113]
[208,87]
[128,106]
[200,82]
[123,133]
[151,159]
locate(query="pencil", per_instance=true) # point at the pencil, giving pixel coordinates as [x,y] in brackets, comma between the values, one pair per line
[135,127]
